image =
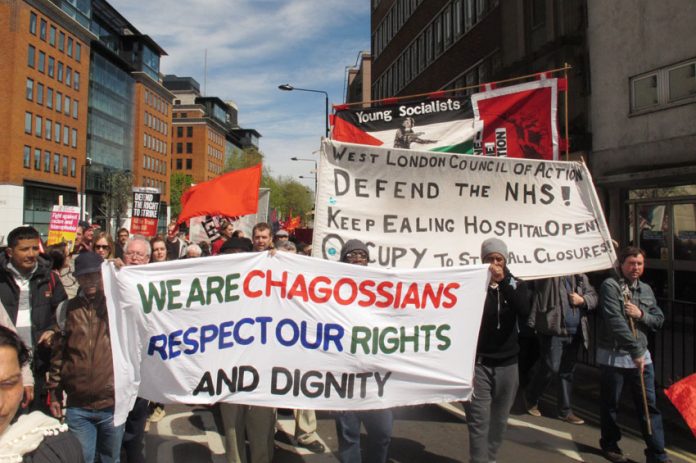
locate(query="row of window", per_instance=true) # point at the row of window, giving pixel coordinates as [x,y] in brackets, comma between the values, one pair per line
[62,104]
[214,153]
[35,124]
[156,124]
[67,167]
[54,70]
[156,102]
[665,86]
[154,144]
[482,72]
[215,137]
[179,164]
[154,164]
[214,168]
[455,19]
[396,17]
[154,183]
[55,37]
[180,148]
[180,132]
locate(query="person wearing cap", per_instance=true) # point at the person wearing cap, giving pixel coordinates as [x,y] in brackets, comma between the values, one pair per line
[281,236]
[378,423]
[251,423]
[81,365]
[495,375]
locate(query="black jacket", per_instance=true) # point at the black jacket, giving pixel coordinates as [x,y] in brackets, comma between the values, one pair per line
[497,342]
[45,295]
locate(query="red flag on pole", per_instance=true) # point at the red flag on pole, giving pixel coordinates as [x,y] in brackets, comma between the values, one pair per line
[232,194]
[683,396]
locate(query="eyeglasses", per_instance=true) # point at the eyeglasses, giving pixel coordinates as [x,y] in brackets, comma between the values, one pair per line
[357,256]
[136,254]
[101,246]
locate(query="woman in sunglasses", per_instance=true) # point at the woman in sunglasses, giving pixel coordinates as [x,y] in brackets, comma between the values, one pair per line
[104,245]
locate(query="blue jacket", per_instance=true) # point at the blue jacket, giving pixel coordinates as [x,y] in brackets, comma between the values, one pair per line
[614,329]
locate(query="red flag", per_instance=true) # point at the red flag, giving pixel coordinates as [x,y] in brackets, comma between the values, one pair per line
[235,193]
[683,396]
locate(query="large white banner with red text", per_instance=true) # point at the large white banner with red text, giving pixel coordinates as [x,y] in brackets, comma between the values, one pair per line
[292,331]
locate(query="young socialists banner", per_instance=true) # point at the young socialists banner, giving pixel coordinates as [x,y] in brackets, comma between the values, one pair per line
[419,209]
[292,331]
[516,121]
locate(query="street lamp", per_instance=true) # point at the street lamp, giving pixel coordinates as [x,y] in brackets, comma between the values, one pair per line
[295,158]
[83,186]
[289,88]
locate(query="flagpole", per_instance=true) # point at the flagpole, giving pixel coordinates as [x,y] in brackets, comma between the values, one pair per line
[454,90]
[567,139]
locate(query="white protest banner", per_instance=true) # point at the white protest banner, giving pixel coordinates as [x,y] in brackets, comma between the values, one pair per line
[292,331]
[418,209]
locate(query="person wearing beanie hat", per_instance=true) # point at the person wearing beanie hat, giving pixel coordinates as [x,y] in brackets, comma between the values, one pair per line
[378,423]
[81,363]
[495,376]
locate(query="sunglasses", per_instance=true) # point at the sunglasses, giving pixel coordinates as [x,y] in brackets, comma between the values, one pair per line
[102,246]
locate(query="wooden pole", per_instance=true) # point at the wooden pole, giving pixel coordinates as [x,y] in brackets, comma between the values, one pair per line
[646,411]
[567,139]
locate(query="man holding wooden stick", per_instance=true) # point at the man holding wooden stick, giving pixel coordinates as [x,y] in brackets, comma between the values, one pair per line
[628,311]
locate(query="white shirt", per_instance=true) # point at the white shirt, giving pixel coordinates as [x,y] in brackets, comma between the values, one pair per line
[23,324]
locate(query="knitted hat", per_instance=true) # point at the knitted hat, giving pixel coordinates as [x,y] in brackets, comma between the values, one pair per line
[492,245]
[87,262]
[353,245]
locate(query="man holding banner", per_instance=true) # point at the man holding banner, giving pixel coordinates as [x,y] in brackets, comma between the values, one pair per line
[496,377]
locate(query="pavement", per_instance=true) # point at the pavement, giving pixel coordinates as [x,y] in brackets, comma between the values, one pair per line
[433,433]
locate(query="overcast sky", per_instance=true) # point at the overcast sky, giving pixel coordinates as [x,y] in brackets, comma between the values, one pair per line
[254,46]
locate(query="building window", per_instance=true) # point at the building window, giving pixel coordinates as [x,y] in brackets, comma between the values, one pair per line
[644,92]
[42,61]
[66,105]
[37,159]
[189,164]
[49,97]
[179,148]
[39,94]
[59,102]
[682,81]
[65,165]
[68,76]
[66,135]
[52,36]
[179,164]
[28,118]
[47,161]
[48,129]
[70,46]
[73,167]
[59,75]
[38,126]
[76,81]
[73,138]
[56,133]
[27,152]
[56,163]
[189,131]
[537,13]
[179,132]
[31,56]
[74,109]
[32,23]
[42,29]
[189,148]
[61,41]
[51,66]
[78,52]
[30,90]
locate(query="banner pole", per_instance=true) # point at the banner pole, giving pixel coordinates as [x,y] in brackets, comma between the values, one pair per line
[567,139]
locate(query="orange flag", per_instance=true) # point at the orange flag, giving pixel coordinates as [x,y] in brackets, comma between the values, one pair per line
[235,193]
[683,396]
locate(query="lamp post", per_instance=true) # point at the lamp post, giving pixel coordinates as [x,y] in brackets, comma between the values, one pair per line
[295,158]
[289,88]
[83,186]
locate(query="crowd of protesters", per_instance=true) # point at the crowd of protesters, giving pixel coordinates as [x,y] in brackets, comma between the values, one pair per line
[56,352]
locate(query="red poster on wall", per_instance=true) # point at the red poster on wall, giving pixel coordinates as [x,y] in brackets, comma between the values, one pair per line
[518,121]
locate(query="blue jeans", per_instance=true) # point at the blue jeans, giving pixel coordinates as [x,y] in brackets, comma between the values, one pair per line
[96,432]
[559,354]
[378,424]
[612,382]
